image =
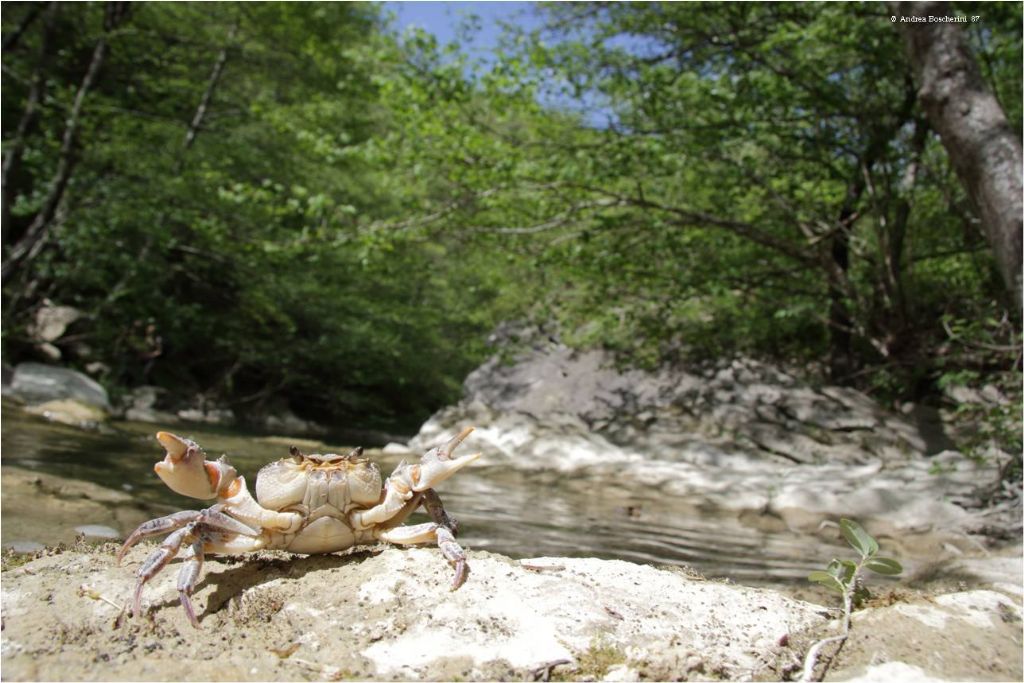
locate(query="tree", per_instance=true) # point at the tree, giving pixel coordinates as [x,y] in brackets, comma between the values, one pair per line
[982,146]
[223,191]
[29,242]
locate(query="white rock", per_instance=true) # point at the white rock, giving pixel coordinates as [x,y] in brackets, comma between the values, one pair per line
[621,672]
[890,672]
[36,383]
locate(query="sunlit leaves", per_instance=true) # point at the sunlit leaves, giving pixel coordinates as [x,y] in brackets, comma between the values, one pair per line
[859,539]
[843,576]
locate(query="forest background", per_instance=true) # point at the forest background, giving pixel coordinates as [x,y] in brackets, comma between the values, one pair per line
[292,202]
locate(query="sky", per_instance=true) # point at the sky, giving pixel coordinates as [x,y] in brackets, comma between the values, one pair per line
[442,19]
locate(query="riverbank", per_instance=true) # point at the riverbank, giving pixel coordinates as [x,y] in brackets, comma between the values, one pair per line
[388,614]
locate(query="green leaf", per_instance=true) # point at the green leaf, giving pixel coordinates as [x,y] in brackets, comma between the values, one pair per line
[855,535]
[849,569]
[884,565]
[826,580]
[842,570]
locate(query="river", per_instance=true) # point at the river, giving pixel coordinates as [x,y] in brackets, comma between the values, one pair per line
[514,512]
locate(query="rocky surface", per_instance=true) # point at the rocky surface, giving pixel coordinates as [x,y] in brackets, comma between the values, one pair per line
[739,434]
[39,508]
[961,636]
[50,323]
[142,404]
[742,409]
[388,614]
[38,383]
[70,412]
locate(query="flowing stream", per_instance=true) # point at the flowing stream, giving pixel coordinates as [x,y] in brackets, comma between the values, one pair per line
[518,513]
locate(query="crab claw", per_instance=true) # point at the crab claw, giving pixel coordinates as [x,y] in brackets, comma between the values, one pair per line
[185,469]
[438,464]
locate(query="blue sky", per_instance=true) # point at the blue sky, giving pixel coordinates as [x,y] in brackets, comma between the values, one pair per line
[443,18]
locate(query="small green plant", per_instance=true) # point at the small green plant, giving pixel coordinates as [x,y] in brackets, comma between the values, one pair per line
[843,576]
[598,659]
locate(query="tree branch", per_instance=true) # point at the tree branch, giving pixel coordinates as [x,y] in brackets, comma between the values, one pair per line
[12,39]
[218,68]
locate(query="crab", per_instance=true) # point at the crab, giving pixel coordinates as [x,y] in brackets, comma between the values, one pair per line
[306,504]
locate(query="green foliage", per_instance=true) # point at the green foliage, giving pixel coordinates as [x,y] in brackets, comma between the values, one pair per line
[987,418]
[595,662]
[724,178]
[263,246]
[842,576]
[350,212]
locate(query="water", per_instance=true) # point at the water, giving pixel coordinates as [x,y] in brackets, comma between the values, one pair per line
[514,512]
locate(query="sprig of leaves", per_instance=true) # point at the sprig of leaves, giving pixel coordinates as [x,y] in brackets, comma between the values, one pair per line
[841,575]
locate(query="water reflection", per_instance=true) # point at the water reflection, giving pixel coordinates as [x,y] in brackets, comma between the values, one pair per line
[515,512]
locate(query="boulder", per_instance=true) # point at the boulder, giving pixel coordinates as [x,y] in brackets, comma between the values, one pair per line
[284,421]
[208,415]
[740,435]
[741,406]
[38,383]
[51,321]
[140,405]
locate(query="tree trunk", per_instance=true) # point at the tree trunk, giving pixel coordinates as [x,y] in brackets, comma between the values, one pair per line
[840,346]
[984,150]
[840,322]
[204,104]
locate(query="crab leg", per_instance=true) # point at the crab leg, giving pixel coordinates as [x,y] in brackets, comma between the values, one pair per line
[188,576]
[435,508]
[156,561]
[245,508]
[160,525]
[455,555]
[196,527]
[425,533]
